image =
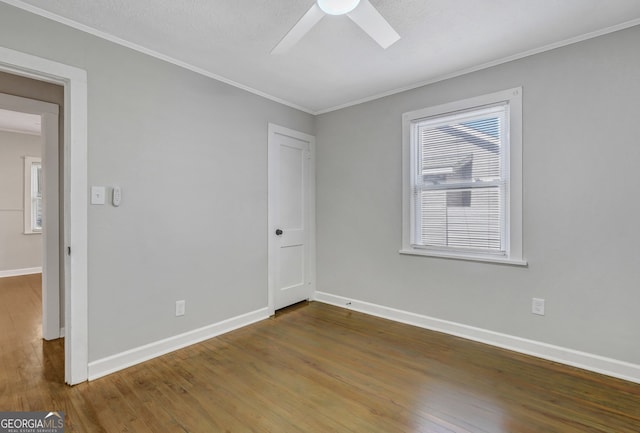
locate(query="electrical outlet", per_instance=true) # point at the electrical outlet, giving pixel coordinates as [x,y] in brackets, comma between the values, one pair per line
[180,306]
[537,306]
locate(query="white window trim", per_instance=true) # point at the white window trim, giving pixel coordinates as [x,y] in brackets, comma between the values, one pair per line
[28,200]
[514,153]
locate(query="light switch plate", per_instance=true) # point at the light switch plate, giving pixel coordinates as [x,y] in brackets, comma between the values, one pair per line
[98,194]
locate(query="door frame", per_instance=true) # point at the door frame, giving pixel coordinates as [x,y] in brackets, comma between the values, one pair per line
[51,326]
[273,201]
[75,191]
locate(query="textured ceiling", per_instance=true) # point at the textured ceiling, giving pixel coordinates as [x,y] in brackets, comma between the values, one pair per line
[337,64]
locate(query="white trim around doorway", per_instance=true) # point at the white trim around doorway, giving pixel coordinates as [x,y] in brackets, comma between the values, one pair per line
[74,81]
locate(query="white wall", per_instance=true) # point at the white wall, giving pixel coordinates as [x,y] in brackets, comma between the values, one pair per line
[581,208]
[17,250]
[190,154]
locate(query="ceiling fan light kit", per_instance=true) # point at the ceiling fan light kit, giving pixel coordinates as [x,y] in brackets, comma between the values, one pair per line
[360,12]
[337,7]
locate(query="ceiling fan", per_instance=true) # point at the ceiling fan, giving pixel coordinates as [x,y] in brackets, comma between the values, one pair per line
[361,12]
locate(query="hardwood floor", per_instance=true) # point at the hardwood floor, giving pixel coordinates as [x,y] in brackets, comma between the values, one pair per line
[312,368]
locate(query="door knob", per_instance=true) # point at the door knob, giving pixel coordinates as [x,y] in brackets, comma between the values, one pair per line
[279,232]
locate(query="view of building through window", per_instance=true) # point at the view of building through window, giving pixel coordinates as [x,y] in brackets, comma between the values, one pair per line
[459,185]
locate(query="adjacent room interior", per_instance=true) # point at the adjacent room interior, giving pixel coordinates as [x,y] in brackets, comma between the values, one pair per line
[284,217]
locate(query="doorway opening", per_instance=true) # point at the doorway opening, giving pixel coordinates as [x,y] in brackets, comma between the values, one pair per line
[73,212]
[29,216]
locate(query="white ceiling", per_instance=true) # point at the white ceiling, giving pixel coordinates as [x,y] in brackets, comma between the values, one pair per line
[337,64]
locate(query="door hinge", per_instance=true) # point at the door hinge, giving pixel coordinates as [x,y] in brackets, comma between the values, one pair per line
[68,251]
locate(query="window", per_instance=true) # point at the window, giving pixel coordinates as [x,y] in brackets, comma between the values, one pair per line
[462,174]
[32,195]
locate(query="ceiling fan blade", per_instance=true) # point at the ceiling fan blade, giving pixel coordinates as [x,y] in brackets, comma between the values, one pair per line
[302,27]
[368,17]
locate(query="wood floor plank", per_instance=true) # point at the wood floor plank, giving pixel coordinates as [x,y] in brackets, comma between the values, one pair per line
[312,368]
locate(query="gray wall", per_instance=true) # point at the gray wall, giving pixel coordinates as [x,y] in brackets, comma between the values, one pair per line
[581,209]
[190,154]
[17,250]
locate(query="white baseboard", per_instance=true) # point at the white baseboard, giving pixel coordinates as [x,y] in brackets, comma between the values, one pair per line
[18,272]
[584,360]
[120,361]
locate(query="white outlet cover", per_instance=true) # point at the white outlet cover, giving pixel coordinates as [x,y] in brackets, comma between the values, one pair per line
[180,308]
[537,306]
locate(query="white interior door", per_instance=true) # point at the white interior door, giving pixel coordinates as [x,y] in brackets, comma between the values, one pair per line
[291,217]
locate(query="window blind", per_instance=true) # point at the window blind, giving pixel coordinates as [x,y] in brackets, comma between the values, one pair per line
[460,180]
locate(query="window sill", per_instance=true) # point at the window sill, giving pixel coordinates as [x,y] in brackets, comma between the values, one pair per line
[485,259]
